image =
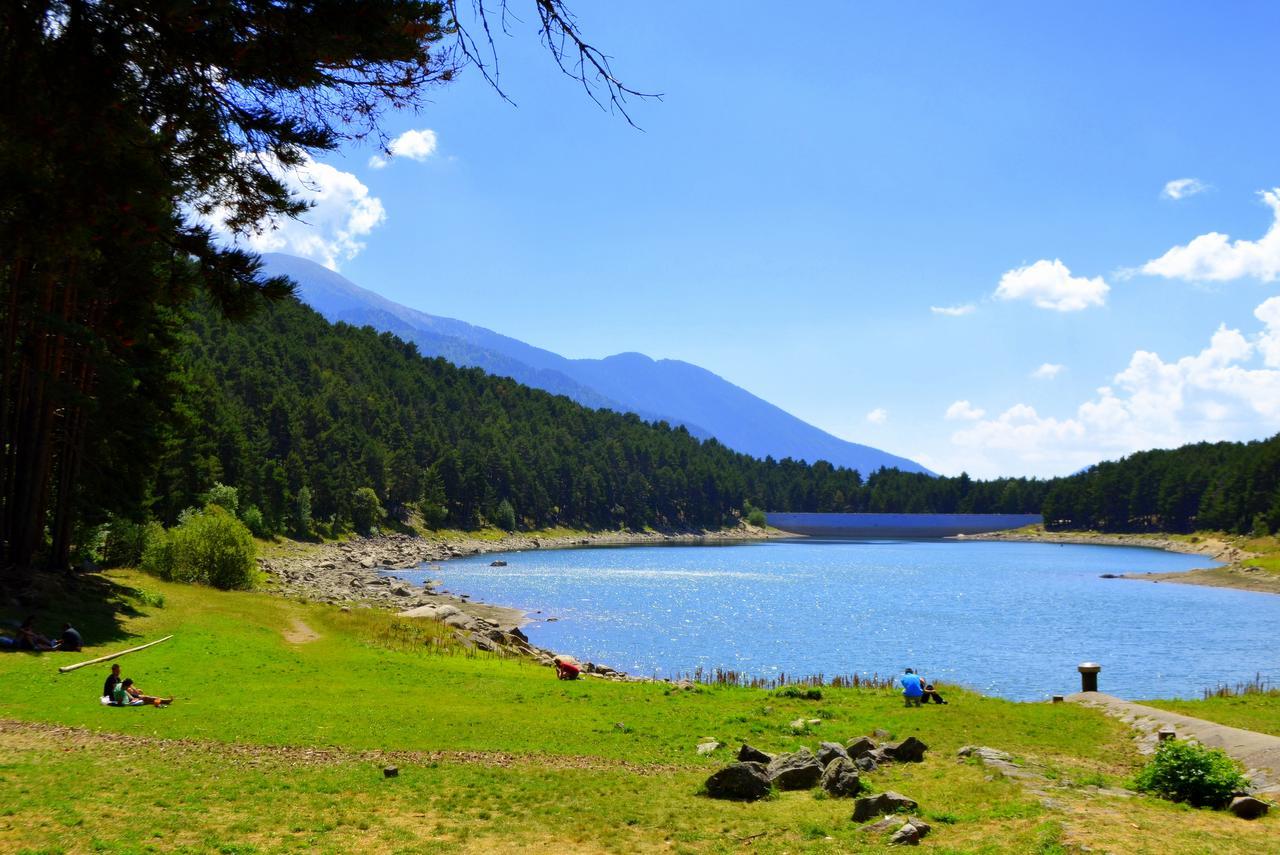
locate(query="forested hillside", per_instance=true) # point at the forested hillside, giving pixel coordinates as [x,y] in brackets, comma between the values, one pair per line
[1230,486]
[299,415]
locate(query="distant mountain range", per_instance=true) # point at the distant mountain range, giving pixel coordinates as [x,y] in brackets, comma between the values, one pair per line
[669,390]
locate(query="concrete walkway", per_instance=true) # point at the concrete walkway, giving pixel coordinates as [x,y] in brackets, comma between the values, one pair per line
[1259,752]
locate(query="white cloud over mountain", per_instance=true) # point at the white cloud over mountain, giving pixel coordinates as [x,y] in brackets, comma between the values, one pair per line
[878,416]
[1214,257]
[1229,390]
[342,213]
[1050,285]
[414,145]
[1047,371]
[1181,188]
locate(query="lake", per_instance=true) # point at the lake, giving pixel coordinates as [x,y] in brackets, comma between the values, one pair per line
[1007,619]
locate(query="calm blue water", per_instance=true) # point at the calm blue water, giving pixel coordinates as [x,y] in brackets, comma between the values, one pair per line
[1009,619]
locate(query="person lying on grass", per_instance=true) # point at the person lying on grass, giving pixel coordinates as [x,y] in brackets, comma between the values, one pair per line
[29,639]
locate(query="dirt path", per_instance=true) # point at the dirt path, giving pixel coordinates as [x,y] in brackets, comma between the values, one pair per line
[299,633]
[1259,752]
[16,735]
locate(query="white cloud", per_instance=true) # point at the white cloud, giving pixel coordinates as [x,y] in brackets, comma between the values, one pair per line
[878,416]
[1214,257]
[1050,285]
[1229,390]
[1047,371]
[415,145]
[342,212]
[964,411]
[1181,188]
[954,311]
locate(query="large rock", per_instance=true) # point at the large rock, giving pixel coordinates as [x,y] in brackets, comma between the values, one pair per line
[866,763]
[754,755]
[910,833]
[840,778]
[855,748]
[741,782]
[1247,807]
[828,751]
[909,750]
[798,770]
[869,806]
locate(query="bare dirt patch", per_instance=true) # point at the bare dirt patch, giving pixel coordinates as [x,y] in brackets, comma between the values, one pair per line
[299,633]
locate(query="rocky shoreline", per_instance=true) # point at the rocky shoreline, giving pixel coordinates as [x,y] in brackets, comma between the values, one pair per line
[360,573]
[1236,574]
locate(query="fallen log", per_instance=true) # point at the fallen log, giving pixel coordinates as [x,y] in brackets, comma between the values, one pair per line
[65,668]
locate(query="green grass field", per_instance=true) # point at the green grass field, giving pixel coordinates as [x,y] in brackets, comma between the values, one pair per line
[287,712]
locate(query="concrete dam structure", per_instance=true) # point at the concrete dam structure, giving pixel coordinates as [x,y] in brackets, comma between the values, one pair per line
[898,525]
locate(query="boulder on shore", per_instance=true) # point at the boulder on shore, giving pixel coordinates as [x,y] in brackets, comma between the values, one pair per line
[890,802]
[799,770]
[855,748]
[828,751]
[1247,807]
[909,750]
[840,778]
[741,782]
[750,754]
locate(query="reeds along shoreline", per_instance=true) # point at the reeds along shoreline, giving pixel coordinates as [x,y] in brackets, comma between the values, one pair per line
[1259,685]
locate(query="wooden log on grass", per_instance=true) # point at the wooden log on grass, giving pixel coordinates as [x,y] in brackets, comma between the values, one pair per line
[65,668]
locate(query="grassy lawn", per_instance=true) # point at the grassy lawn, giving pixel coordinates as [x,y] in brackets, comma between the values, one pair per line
[1258,711]
[276,742]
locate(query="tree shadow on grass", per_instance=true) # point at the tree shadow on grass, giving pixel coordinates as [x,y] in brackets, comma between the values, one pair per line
[94,604]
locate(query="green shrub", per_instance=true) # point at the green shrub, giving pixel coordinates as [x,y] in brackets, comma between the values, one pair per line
[804,693]
[225,497]
[157,551]
[124,543]
[252,517]
[1188,772]
[366,510]
[757,518]
[505,516]
[215,548]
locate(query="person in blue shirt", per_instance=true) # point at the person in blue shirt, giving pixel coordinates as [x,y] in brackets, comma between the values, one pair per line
[912,688]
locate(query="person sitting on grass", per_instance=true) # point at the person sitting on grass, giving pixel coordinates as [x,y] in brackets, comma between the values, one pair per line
[29,639]
[71,640]
[567,668]
[135,694]
[930,693]
[113,680]
[912,688]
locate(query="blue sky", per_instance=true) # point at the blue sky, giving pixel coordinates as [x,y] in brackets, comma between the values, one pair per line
[812,186]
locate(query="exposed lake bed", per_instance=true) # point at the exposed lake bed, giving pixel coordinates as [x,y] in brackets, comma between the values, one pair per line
[1010,619]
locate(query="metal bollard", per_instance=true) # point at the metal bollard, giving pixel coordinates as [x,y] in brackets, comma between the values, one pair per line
[1088,676]
[1165,734]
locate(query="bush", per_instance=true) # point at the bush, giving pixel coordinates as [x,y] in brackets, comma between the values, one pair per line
[252,517]
[804,693]
[124,543]
[757,518]
[227,498]
[157,551]
[215,548]
[505,516]
[365,510]
[434,516]
[1188,772]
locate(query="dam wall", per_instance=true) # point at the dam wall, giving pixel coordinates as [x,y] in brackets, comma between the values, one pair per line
[898,525]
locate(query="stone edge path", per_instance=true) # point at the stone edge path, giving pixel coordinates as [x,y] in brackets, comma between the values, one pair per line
[1259,752]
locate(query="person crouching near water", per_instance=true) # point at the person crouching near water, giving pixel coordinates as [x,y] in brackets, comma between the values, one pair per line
[567,668]
[912,688]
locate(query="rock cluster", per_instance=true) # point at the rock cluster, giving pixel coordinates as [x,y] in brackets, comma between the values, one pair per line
[836,768]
